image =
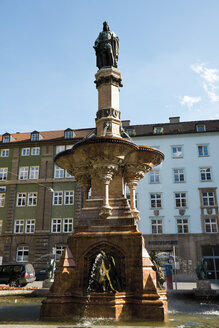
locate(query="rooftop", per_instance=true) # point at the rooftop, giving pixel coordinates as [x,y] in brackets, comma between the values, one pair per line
[171,128]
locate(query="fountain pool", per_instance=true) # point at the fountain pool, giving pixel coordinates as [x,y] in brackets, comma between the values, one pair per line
[183,313]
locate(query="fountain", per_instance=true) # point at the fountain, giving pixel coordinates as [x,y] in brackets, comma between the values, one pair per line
[106,271]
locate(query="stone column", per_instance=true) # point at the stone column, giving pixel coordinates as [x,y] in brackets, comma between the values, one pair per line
[133,174]
[132,188]
[106,192]
[108,83]
[104,173]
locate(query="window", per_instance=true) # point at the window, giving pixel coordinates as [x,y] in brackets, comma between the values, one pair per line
[180,198]
[68,134]
[23,173]
[35,136]
[211,255]
[210,225]
[157,226]
[155,176]
[6,138]
[59,149]
[205,174]
[22,254]
[177,152]
[3,173]
[69,197]
[35,151]
[178,175]
[129,200]
[34,172]
[19,226]
[58,252]
[59,172]
[158,130]
[68,147]
[21,199]
[25,151]
[200,128]
[208,198]
[57,197]
[68,175]
[32,199]
[67,225]
[2,199]
[131,132]
[30,226]
[182,226]
[203,150]
[155,200]
[4,152]
[56,225]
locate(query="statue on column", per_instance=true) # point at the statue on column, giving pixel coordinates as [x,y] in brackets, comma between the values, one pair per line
[107,48]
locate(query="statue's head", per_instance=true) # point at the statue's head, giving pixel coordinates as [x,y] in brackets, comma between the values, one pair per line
[106,26]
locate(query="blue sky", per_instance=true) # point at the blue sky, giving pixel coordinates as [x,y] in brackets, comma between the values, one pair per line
[168,58]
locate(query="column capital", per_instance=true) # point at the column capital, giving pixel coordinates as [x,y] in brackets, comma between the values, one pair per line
[83,177]
[105,171]
[134,173]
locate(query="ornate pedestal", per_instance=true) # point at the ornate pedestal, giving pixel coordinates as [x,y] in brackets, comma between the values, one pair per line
[204,289]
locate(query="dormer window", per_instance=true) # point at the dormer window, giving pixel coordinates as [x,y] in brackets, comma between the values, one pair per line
[158,130]
[131,132]
[200,128]
[35,136]
[69,133]
[6,138]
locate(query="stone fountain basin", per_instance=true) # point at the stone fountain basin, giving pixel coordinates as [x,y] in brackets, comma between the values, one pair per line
[107,150]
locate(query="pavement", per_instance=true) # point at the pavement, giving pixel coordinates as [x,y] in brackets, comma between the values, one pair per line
[181,285]
[191,285]
[36,288]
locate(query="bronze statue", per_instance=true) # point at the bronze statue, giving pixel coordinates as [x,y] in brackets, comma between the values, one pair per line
[202,269]
[51,267]
[160,276]
[103,276]
[107,48]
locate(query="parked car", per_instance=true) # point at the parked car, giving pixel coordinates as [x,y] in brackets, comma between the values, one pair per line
[41,275]
[17,275]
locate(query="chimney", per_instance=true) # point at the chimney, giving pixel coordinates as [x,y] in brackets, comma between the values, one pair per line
[126,123]
[175,119]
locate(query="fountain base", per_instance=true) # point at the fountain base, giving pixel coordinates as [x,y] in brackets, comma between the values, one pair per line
[119,306]
[69,299]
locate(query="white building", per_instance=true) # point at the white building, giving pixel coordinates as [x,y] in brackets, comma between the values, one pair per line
[178,200]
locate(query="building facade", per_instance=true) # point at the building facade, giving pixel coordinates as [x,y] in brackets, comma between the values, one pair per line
[38,200]
[178,201]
